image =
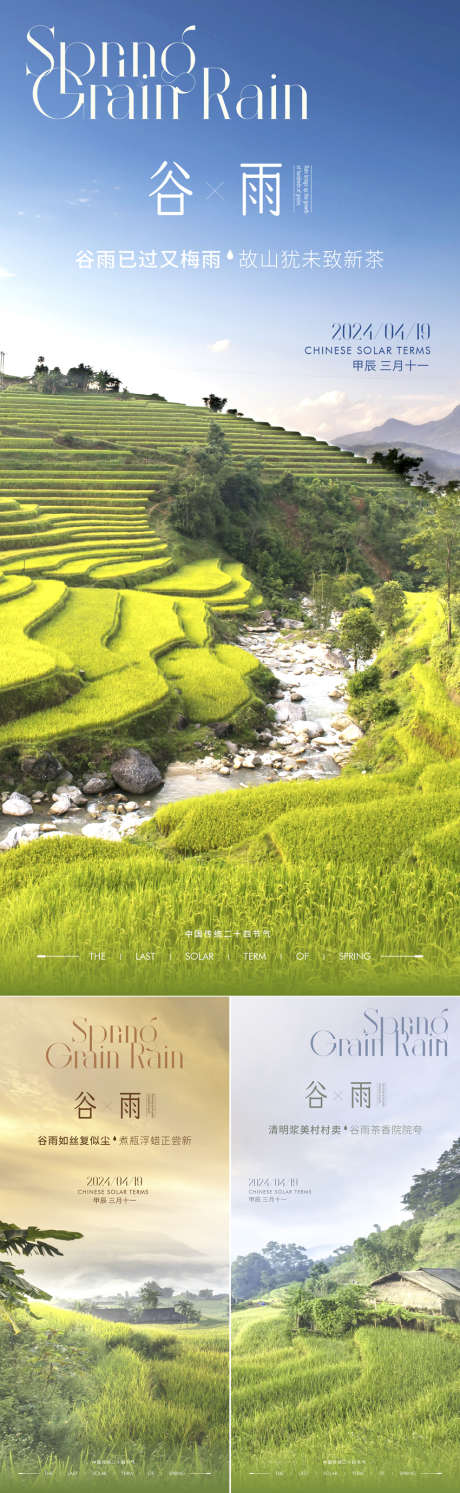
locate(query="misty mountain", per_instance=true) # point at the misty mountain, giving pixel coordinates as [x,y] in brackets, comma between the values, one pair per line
[442,435]
[444,466]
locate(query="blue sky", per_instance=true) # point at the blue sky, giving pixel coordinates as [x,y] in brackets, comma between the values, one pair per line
[381,142]
[355,1181]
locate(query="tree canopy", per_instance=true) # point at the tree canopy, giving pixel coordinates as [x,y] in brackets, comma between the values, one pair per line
[431,1190]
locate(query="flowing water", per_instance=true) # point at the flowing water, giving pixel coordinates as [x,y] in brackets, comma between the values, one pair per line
[307,671]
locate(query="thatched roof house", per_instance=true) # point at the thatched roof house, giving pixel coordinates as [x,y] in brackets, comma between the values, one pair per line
[424,1290]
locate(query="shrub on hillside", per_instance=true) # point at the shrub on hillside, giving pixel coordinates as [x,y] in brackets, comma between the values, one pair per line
[384,708]
[367,679]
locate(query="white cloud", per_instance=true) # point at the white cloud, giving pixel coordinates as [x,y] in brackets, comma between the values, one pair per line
[6,274]
[330,400]
[221,346]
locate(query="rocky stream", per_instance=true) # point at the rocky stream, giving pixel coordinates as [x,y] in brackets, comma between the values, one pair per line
[311,737]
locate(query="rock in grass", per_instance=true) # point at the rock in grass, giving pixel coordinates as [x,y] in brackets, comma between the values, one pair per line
[17,805]
[135,772]
[44,768]
[351,735]
[20,834]
[100,782]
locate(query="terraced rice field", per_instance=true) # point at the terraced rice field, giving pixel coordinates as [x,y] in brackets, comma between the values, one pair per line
[93,598]
[381,1401]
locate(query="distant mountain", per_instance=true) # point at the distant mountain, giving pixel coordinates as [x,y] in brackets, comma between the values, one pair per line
[443,435]
[444,466]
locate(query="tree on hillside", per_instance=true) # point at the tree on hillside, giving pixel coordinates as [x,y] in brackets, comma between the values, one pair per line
[432,1190]
[389,1249]
[395,461]
[40,366]
[316,1280]
[214,403]
[251,1274]
[15,1290]
[435,543]
[149,1293]
[359,634]
[80,376]
[108,383]
[390,605]
[323,593]
[287,1261]
[187,1311]
[206,1294]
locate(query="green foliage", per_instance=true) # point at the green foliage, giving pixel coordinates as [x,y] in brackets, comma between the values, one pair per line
[394,460]
[323,592]
[359,634]
[431,1190]
[276,1265]
[383,708]
[435,543]
[367,679]
[389,606]
[389,1249]
[15,1290]
[74,1394]
[149,1293]
[187,1310]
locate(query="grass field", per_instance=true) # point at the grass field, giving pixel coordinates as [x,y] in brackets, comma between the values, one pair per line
[375,1404]
[301,886]
[130,1400]
[361,865]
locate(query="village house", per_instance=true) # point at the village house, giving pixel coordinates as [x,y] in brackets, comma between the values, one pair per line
[424,1290]
[157,1315]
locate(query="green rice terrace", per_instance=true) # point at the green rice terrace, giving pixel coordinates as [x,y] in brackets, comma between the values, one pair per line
[380,1401]
[116,632]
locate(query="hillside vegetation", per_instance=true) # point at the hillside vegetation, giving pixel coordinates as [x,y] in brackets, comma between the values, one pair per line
[84,508]
[114,631]
[78,1394]
[381,1400]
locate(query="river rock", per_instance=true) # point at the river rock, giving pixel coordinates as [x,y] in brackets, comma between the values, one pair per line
[130,805]
[130,822]
[19,834]
[351,735]
[335,694]
[17,805]
[296,696]
[61,803]
[44,768]
[74,795]
[224,772]
[136,772]
[101,831]
[100,782]
[315,729]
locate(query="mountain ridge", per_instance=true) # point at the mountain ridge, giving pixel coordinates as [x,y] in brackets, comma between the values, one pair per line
[442,434]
